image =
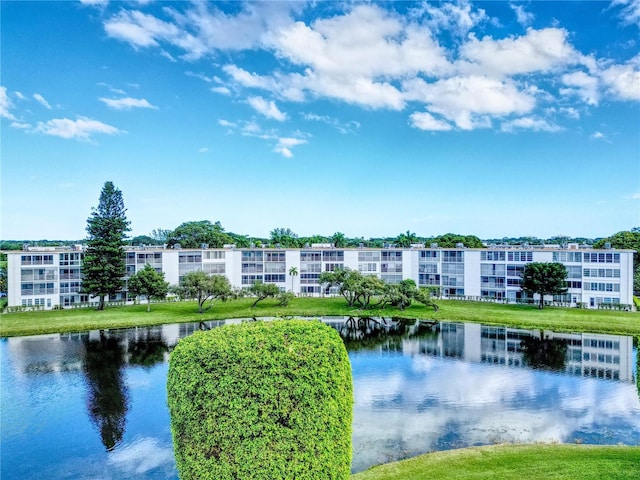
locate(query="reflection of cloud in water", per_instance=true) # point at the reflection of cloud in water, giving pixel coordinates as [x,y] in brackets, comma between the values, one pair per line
[142,456]
[437,403]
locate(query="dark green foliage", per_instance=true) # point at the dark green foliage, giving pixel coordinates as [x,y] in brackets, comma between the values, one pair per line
[149,283]
[544,279]
[104,259]
[263,290]
[204,288]
[194,234]
[262,400]
[402,294]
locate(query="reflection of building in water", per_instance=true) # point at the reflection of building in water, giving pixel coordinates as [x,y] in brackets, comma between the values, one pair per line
[588,355]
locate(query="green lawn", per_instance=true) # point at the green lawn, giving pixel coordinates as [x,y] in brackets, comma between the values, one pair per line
[524,316]
[517,462]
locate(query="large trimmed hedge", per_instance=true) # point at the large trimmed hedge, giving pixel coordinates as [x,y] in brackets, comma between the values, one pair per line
[264,400]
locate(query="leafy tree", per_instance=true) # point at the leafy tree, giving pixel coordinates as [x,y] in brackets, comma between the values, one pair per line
[544,279]
[205,288]
[104,260]
[345,279]
[160,235]
[293,272]
[401,295]
[357,289]
[284,237]
[149,283]
[450,240]
[406,239]
[263,290]
[194,234]
[339,240]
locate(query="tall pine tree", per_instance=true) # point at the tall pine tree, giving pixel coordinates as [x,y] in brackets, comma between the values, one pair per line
[104,264]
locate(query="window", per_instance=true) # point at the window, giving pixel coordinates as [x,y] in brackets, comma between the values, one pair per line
[453,256]
[310,256]
[367,267]
[214,268]
[492,255]
[275,278]
[331,267]
[213,255]
[333,256]
[492,269]
[252,255]
[520,256]
[392,256]
[274,256]
[429,254]
[368,256]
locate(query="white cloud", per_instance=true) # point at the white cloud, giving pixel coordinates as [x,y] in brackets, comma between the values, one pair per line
[202,29]
[221,90]
[285,144]
[583,85]
[201,76]
[95,3]
[537,51]
[203,150]
[623,81]
[139,29]
[470,101]
[530,123]
[597,135]
[426,121]
[342,127]
[126,103]
[267,108]
[21,125]
[141,456]
[168,56]
[226,123]
[456,16]
[41,100]
[5,105]
[81,129]
[630,12]
[522,16]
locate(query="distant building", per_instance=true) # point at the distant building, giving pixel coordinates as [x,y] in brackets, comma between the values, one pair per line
[51,276]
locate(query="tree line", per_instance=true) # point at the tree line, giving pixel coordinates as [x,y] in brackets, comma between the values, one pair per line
[107,227]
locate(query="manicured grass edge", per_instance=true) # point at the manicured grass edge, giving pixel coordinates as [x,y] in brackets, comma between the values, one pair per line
[506,461]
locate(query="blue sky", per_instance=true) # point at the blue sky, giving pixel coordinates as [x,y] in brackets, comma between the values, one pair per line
[487,118]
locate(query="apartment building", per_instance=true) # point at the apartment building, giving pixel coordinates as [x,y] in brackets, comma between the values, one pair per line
[50,276]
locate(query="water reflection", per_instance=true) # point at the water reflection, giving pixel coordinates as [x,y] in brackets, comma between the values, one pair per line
[107,396]
[418,385]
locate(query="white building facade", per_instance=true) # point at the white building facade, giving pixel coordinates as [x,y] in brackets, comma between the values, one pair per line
[52,276]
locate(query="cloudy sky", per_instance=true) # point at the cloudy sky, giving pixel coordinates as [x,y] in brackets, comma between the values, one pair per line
[487,118]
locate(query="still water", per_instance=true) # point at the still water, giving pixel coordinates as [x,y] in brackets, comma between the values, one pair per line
[93,405]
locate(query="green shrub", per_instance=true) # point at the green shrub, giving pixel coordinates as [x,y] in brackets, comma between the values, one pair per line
[264,400]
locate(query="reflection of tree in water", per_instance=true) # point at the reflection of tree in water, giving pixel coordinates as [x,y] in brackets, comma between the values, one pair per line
[107,400]
[146,352]
[544,353]
[363,333]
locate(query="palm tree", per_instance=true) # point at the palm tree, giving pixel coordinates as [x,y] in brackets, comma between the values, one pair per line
[406,239]
[339,240]
[293,271]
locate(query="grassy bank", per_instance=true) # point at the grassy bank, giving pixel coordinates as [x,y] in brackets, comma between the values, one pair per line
[522,316]
[515,462]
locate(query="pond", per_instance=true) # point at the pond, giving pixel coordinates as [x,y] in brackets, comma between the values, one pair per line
[93,404]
